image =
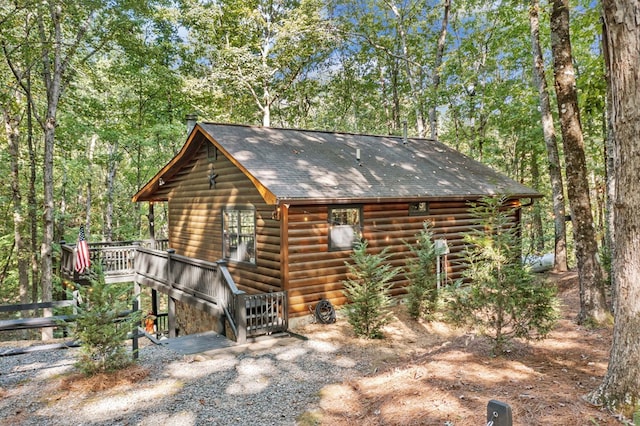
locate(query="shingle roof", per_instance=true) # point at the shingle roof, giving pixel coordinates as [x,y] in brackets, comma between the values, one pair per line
[302,164]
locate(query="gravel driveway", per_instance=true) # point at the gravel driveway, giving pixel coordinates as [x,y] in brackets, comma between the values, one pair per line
[271,382]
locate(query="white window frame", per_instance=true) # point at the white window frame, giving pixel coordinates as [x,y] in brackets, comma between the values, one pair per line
[345,226]
[239,234]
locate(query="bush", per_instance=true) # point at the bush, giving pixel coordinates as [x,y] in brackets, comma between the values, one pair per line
[422,291]
[368,291]
[503,301]
[102,329]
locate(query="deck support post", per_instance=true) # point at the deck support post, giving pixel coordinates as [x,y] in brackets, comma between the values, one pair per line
[137,290]
[154,307]
[134,332]
[241,318]
[152,228]
[171,308]
[171,303]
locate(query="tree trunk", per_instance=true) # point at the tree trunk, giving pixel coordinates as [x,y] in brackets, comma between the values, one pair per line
[610,197]
[435,82]
[12,123]
[46,252]
[537,230]
[593,307]
[60,223]
[415,81]
[620,389]
[548,130]
[111,176]
[32,200]
[89,198]
[397,109]
[54,63]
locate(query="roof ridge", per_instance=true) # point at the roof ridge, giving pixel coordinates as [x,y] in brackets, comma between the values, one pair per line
[332,132]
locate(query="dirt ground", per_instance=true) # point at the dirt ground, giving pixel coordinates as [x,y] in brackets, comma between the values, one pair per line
[429,374]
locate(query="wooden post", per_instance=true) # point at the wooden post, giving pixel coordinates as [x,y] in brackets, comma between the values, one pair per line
[134,344]
[137,290]
[152,228]
[171,305]
[154,309]
[171,301]
[76,301]
[170,281]
[241,318]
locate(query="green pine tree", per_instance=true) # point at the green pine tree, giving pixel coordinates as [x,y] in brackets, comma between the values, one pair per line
[368,291]
[502,300]
[422,291]
[102,328]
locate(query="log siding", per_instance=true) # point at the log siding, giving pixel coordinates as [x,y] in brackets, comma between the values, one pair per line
[315,272]
[195,219]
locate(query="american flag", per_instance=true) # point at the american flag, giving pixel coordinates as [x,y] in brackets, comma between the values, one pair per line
[82,253]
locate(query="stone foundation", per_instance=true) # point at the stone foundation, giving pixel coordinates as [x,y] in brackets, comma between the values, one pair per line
[190,320]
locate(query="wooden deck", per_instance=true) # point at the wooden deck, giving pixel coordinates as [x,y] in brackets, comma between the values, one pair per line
[206,285]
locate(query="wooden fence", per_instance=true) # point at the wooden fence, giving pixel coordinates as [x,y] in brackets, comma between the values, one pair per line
[23,323]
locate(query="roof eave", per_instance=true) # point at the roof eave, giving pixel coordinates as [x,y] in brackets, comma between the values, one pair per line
[374,200]
[147,191]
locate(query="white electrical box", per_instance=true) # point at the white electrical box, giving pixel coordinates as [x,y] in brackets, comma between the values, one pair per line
[441,247]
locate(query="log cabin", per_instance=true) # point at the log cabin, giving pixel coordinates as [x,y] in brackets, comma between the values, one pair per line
[282,207]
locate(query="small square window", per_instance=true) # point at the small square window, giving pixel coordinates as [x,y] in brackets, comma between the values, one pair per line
[419,209]
[345,227]
[212,152]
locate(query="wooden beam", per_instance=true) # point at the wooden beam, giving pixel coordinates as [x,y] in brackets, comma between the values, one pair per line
[40,305]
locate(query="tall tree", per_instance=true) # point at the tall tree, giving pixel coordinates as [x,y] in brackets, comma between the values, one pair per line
[57,38]
[413,69]
[13,112]
[17,28]
[58,52]
[435,80]
[549,133]
[406,41]
[254,52]
[620,389]
[593,307]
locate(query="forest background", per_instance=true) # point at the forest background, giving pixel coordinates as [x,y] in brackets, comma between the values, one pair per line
[94,96]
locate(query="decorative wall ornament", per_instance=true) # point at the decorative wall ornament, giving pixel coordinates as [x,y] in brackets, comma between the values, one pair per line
[212,179]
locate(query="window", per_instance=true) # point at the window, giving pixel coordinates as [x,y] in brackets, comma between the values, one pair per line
[345,227]
[239,234]
[419,209]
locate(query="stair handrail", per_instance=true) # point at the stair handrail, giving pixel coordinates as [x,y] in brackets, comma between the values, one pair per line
[234,304]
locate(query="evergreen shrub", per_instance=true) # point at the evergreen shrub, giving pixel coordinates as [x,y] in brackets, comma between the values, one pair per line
[502,299]
[368,291]
[102,327]
[422,292]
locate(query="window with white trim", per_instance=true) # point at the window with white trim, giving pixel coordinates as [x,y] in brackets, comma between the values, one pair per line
[239,234]
[345,227]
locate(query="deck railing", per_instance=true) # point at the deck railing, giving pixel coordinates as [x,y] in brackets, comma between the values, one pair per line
[195,277]
[116,259]
[197,281]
